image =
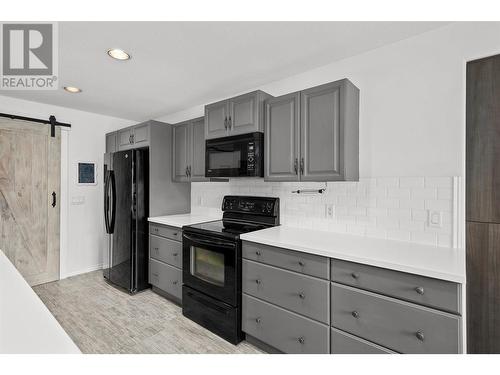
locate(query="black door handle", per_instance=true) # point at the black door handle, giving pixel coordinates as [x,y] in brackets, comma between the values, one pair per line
[54,199]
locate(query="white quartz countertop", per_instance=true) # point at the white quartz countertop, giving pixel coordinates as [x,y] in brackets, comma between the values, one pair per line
[437,262]
[26,325]
[180,220]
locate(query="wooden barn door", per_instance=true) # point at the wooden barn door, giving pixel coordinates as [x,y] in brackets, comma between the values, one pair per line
[30,172]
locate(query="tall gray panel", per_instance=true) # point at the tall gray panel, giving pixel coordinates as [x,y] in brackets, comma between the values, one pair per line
[198,150]
[180,152]
[282,142]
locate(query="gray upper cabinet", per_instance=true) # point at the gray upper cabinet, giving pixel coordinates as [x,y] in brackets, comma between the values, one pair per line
[282,129]
[180,149]
[216,116]
[133,137]
[197,170]
[325,141]
[189,151]
[239,115]
[111,142]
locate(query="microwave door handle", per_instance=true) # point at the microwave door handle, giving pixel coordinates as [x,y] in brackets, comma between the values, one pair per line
[207,242]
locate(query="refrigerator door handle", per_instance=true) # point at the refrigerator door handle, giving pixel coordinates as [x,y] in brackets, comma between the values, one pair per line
[106,202]
[113,202]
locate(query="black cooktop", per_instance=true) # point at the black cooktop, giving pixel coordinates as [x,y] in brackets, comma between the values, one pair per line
[226,228]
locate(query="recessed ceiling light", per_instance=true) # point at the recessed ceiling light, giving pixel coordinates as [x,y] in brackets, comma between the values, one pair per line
[73,90]
[118,54]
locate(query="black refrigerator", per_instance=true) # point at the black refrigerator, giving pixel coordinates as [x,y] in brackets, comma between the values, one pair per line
[126,204]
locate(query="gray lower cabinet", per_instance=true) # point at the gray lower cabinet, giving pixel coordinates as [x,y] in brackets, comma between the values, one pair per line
[401,326]
[239,115]
[165,260]
[188,151]
[440,294]
[284,330]
[307,264]
[313,135]
[344,343]
[302,294]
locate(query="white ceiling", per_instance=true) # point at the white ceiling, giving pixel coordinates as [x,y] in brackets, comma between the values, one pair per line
[177,65]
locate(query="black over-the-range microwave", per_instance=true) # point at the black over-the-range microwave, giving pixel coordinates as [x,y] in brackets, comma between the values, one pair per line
[235,156]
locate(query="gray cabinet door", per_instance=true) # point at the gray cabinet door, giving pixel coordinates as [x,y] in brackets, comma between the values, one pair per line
[321,133]
[140,136]
[282,143]
[198,150]
[244,114]
[111,142]
[124,138]
[180,152]
[216,119]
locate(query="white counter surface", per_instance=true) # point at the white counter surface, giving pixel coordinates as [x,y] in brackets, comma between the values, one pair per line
[438,262]
[26,325]
[180,220]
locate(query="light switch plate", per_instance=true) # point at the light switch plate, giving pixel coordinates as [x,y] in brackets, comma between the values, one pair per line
[434,219]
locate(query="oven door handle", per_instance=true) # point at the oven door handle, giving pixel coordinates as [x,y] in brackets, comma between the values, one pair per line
[207,242]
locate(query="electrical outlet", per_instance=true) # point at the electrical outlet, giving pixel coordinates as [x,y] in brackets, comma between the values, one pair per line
[434,219]
[329,211]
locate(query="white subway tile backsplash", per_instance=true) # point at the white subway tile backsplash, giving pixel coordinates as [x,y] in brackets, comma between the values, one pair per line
[385,207]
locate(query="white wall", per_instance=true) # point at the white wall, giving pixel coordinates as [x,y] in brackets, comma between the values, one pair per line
[82,231]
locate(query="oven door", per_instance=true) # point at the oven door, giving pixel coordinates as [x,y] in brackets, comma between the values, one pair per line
[210,266]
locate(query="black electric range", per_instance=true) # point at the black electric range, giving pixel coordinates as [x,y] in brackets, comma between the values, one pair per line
[211,291]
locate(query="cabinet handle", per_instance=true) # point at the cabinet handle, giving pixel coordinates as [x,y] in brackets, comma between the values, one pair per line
[296,166]
[302,165]
[302,295]
[301,340]
[133,136]
[419,290]
[175,254]
[225,123]
[354,275]
[258,253]
[186,172]
[189,171]
[155,274]
[420,335]
[230,124]
[257,281]
[174,234]
[130,139]
[257,320]
[156,230]
[175,282]
[355,314]
[301,263]
[156,249]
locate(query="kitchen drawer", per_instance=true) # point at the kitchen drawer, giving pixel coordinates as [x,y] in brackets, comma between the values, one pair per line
[165,277]
[166,250]
[308,264]
[436,293]
[302,294]
[164,231]
[344,343]
[282,329]
[401,326]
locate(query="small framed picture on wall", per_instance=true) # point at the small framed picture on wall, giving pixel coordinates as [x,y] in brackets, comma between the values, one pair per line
[86,173]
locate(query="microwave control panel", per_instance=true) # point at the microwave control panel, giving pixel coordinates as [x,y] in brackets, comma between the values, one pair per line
[250,157]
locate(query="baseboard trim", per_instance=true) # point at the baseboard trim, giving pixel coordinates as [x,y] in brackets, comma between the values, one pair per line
[81,271]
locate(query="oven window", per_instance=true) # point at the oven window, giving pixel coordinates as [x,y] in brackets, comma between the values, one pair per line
[207,265]
[224,159]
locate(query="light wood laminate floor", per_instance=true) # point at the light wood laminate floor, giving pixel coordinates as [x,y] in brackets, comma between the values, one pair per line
[102,319]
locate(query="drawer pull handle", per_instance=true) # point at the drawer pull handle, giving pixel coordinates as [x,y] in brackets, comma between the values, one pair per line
[156,230]
[302,295]
[174,234]
[175,254]
[419,290]
[354,275]
[258,253]
[175,282]
[355,314]
[257,320]
[301,340]
[301,263]
[420,335]
[257,281]
[155,274]
[156,249]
